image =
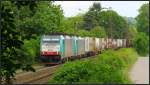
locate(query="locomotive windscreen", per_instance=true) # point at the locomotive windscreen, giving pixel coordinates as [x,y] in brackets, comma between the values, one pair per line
[50,44]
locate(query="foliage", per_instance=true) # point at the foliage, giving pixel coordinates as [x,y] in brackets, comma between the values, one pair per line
[132,32]
[12,56]
[32,48]
[108,67]
[51,16]
[143,19]
[95,7]
[141,44]
[131,21]
[128,55]
[84,33]
[112,66]
[76,72]
[91,17]
[98,32]
[114,24]
[48,18]
[72,24]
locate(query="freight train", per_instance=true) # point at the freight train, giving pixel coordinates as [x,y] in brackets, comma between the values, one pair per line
[56,49]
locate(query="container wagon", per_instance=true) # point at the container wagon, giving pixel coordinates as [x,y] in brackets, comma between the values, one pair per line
[56,49]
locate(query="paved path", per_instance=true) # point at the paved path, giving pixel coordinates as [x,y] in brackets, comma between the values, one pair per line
[139,73]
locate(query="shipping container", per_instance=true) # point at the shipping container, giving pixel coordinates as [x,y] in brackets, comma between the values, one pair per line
[124,42]
[97,44]
[119,42]
[103,44]
[92,46]
[81,46]
[106,42]
[87,44]
[114,43]
[109,43]
[100,44]
[68,46]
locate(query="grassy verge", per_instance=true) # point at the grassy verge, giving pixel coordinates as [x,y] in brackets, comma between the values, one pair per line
[108,67]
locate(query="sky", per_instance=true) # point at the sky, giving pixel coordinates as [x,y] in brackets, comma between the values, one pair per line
[123,8]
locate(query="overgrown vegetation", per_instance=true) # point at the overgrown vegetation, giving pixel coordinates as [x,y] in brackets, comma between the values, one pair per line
[12,56]
[141,44]
[32,49]
[108,67]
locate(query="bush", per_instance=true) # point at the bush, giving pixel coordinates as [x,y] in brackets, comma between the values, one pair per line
[98,32]
[73,72]
[141,44]
[128,55]
[112,65]
[31,47]
[108,67]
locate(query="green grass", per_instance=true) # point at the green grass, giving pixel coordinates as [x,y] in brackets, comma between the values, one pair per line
[109,67]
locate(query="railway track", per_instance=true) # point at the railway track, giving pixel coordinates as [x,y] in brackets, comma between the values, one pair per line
[41,80]
[35,67]
[40,76]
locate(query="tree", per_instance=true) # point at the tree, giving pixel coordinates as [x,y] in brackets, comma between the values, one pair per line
[48,18]
[84,33]
[12,57]
[131,21]
[98,32]
[132,33]
[143,19]
[141,44]
[91,17]
[72,24]
[114,24]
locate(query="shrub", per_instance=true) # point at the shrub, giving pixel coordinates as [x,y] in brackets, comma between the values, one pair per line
[31,47]
[112,65]
[108,67]
[128,55]
[141,44]
[73,72]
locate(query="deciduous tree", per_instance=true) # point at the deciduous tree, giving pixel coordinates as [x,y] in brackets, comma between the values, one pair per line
[143,19]
[12,57]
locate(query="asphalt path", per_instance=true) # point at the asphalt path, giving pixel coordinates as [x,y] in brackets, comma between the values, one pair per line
[139,73]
